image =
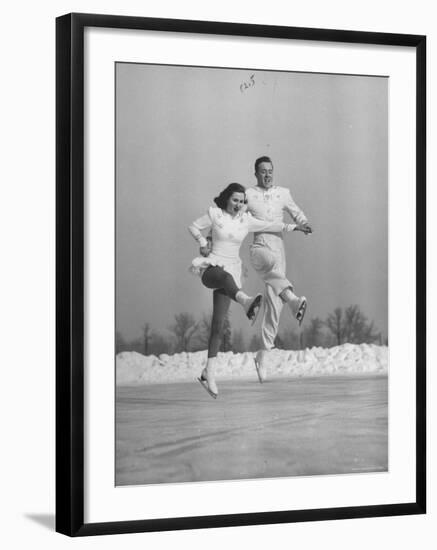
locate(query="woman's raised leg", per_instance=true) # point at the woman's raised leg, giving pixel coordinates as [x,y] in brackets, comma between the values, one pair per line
[217,278]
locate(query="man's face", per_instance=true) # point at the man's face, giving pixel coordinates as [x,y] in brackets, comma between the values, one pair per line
[264,175]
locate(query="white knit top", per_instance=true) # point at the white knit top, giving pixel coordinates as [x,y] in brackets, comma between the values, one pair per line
[228,232]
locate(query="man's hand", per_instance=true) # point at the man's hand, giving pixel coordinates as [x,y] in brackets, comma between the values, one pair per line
[305,228]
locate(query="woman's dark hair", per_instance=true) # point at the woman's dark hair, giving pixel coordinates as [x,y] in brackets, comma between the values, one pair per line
[222,200]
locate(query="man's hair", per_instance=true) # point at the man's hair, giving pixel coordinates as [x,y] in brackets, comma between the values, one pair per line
[222,200]
[262,159]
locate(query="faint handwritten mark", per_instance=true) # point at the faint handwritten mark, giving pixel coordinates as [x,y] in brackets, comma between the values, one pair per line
[247,84]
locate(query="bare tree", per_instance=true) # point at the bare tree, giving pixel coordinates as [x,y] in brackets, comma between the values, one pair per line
[183,328]
[202,333]
[160,344]
[151,343]
[200,338]
[335,324]
[313,333]
[147,335]
[351,326]
[357,329]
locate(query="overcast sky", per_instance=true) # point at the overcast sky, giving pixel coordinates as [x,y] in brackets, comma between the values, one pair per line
[184,133]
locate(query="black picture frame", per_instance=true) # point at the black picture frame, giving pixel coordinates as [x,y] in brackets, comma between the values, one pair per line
[70,488]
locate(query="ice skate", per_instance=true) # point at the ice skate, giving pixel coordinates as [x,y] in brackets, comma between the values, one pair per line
[254,308]
[260,371]
[208,383]
[302,306]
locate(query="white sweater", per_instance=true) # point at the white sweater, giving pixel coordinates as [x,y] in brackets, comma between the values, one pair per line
[228,232]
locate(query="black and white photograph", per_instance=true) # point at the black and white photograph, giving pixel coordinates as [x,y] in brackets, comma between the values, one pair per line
[251,268]
[218,265]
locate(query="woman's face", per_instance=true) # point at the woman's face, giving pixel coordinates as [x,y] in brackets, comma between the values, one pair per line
[235,203]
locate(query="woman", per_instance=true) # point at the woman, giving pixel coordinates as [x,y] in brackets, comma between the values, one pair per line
[220,265]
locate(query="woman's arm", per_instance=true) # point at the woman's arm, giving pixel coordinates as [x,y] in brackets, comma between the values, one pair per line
[255,225]
[198,226]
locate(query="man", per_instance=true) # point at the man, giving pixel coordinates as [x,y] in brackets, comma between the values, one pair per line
[269,202]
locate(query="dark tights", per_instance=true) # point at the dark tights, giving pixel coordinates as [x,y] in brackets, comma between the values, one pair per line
[225,289]
[217,278]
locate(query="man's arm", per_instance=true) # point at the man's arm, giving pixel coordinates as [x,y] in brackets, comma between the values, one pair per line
[296,213]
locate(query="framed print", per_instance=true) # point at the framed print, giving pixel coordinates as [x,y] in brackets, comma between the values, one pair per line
[207,377]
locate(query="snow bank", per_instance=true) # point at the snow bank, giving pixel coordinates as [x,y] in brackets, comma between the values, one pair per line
[134,368]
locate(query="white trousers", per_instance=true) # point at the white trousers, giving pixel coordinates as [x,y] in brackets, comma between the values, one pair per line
[267,256]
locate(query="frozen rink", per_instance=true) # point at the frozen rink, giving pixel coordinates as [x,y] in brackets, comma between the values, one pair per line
[175,432]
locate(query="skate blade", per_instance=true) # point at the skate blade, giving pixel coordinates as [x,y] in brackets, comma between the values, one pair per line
[204,384]
[301,311]
[254,310]
[261,378]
